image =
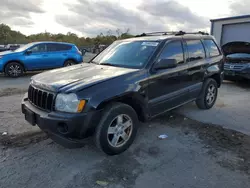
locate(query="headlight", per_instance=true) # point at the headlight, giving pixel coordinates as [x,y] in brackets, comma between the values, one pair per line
[69,103]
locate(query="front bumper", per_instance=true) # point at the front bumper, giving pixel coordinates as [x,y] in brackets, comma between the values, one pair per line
[237,74]
[237,71]
[67,129]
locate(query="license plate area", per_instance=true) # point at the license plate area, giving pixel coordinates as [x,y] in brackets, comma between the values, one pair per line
[30,117]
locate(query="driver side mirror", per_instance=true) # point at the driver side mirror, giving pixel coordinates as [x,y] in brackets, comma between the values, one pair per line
[166,64]
[28,52]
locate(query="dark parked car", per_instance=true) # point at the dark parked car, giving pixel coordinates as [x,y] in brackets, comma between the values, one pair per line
[2,49]
[237,63]
[130,81]
[39,56]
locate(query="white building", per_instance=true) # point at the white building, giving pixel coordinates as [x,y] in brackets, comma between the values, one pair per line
[231,29]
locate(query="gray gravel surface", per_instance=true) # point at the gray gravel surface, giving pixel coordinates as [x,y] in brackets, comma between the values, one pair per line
[232,108]
[193,155]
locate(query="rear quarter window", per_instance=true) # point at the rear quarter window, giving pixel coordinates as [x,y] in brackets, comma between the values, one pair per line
[211,47]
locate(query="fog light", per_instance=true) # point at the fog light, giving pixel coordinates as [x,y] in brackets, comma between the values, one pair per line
[63,128]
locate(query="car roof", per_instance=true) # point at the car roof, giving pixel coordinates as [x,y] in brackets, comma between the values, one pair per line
[166,37]
[52,42]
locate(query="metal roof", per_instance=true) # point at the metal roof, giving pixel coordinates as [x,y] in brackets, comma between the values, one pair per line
[230,18]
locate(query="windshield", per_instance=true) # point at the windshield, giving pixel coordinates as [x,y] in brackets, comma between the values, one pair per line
[25,47]
[239,55]
[130,54]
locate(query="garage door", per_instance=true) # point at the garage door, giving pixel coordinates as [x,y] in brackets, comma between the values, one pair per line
[236,32]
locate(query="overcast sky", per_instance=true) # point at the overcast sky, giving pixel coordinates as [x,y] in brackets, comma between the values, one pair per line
[90,17]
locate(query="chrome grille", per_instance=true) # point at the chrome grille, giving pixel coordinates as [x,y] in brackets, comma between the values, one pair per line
[41,98]
[234,67]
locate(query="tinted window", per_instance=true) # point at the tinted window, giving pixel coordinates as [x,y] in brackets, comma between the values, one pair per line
[195,50]
[212,48]
[58,47]
[38,48]
[173,50]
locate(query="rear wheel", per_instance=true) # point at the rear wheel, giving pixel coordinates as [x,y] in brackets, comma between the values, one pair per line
[69,63]
[14,69]
[208,94]
[117,129]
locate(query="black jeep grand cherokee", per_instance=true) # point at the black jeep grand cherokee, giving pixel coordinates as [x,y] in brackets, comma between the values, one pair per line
[132,80]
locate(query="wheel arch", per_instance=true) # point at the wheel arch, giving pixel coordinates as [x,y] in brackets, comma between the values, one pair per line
[69,59]
[214,72]
[14,61]
[217,78]
[132,99]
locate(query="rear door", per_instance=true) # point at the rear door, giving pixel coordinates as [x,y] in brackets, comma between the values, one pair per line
[196,59]
[58,53]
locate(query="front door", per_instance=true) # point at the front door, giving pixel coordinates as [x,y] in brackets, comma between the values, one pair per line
[37,58]
[168,88]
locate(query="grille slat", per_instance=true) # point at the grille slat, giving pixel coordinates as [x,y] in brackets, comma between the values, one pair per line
[233,67]
[40,98]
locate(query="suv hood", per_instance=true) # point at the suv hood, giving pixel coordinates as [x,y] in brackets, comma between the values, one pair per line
[7,52]
[236,47]
[77,77]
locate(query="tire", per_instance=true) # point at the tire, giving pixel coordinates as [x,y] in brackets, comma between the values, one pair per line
[117,129]
[69,63]
[14,69]
[208,95]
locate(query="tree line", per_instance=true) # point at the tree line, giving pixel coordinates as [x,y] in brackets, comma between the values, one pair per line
[9,36]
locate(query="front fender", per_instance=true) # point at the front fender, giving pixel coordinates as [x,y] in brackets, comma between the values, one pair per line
[117,92]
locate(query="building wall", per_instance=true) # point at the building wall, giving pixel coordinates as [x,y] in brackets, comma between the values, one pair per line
[216,27]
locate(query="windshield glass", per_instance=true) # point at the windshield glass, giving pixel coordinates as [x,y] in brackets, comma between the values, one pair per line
[130,54]
[25,47]
[239,55]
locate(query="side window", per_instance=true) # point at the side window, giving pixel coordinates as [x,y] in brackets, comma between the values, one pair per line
[173,50]
[52,47]
[58,47]
[211,47]
[64,47]
[39,48]
[195,50]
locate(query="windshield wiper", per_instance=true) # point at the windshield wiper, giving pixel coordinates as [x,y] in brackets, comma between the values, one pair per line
[94,62]
[109,64]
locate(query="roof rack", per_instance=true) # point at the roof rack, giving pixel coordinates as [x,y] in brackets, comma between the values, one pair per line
[176,33]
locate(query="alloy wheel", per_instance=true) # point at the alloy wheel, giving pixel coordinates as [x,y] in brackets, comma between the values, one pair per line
[120,130]
[211,94]
[14,70]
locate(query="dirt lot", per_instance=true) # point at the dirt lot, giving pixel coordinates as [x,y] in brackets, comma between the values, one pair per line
[193,155]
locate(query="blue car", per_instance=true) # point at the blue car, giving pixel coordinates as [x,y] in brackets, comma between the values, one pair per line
[39,56]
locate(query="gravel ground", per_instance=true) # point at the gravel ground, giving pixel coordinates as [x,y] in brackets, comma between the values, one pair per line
[11,118]
[193,155]
[231,110]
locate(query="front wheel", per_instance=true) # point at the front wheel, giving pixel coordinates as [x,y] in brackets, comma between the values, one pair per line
[208,95]
[117,129]
[14,69]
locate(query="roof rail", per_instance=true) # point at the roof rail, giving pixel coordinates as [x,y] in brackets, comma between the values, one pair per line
[176,33]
